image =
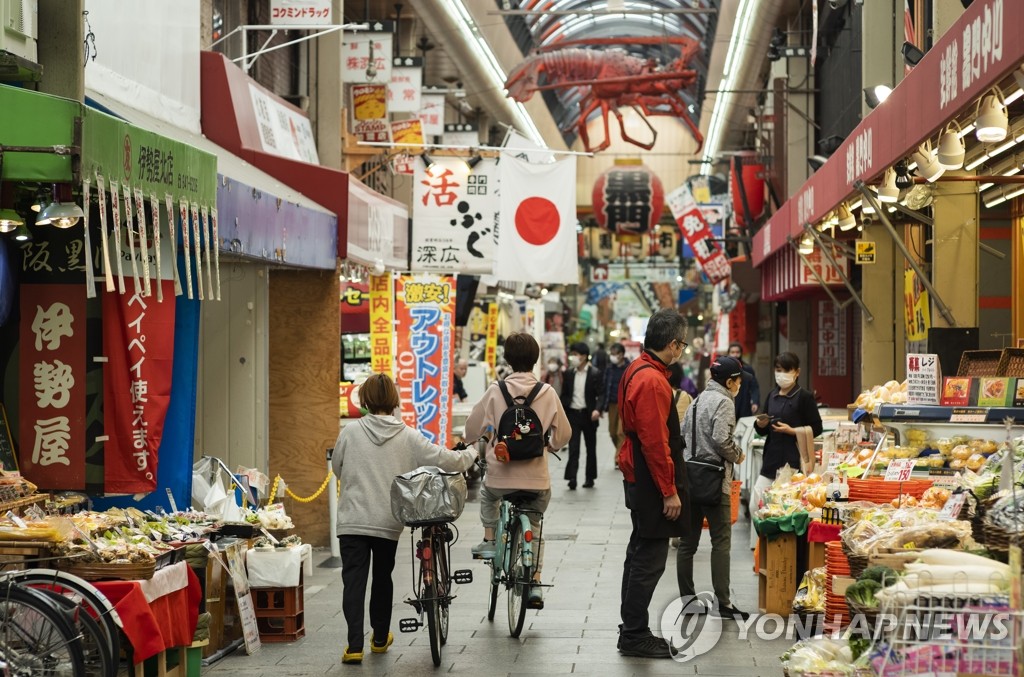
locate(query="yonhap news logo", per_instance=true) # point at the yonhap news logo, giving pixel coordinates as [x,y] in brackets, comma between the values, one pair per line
[692,629]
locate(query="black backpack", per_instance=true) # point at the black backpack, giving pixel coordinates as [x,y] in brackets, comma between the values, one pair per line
[520,427]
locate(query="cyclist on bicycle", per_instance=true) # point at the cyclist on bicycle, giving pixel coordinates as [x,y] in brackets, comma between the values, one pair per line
[368,455]
[521,353]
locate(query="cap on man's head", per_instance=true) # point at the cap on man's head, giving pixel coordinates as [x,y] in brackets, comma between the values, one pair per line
[725,368]
[580,348]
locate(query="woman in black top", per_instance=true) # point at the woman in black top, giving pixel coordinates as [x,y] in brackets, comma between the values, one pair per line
[787,409]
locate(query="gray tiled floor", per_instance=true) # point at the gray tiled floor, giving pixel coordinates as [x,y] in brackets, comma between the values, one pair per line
[586,532]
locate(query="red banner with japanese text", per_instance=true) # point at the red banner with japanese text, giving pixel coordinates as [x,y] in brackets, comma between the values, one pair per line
[138,340]
[52,382]
[698,235]
[425,318]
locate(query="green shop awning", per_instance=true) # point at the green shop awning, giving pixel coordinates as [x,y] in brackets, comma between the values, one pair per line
[110,147]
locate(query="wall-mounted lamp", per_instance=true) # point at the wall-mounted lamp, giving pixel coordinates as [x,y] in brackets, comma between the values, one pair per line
[876,95]
[887,191]
[904,180]
[991,121]
[474,161]
[806,246]
[428,162]
[847,221]
[927,165]
[951,148]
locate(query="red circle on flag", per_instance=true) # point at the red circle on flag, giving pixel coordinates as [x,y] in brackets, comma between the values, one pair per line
[537,220]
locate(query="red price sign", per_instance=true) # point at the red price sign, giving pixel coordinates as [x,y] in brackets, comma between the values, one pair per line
[899,470]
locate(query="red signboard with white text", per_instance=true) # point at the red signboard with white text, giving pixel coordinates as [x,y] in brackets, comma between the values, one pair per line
[52,385]
[138,340]
[698,235]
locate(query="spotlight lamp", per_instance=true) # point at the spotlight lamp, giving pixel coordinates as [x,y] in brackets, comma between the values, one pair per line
[927,166]
[912,54]
[806,246]
[474,161]
[876,95]
[62,212]
[904,180]
[887,191]
[22,234]
[10,220]
[991,121]
[816,162]
[951,147]
[847,221]
[428,162]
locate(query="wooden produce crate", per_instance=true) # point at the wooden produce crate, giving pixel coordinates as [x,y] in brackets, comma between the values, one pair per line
[776,574]
[980,363]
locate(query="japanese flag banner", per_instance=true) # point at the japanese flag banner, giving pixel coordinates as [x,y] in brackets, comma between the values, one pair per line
[537,229]
[698,235]
[454,216]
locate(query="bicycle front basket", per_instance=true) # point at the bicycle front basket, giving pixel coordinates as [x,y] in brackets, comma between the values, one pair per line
[428,494]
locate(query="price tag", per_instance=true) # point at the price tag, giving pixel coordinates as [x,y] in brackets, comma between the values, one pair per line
[968,416]
[836,460]
[951,510]
[170,498]
[899,470]
[17,520]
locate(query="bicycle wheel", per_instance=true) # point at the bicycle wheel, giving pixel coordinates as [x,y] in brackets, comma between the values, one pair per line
[35,636]
[443,583]
[82,593]
[492,604]
[95,651]
[432,608]
[519,578]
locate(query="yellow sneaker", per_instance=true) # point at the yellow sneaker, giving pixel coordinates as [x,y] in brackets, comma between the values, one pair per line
[376,648]
[352,656]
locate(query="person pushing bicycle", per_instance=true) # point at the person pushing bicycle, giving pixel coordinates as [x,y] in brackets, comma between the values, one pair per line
[505,476]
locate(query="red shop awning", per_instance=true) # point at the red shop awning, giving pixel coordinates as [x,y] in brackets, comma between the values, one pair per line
[978,51]
[235,115]
[784,277]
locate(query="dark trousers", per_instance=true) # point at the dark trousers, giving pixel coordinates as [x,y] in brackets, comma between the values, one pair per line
[581,426]
[644,565]
[720,526]
[356,555]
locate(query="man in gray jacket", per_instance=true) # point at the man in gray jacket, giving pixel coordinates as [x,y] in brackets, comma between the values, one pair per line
[714,415]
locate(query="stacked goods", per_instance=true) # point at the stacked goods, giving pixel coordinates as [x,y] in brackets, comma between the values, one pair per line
[893,392]
[877,490]
[836,564]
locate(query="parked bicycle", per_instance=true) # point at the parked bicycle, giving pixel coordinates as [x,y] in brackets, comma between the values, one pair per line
[515,559]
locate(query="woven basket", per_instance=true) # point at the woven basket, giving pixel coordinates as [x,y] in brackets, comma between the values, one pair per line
[1011,362]
[118,572]
[980,363]
[858,563]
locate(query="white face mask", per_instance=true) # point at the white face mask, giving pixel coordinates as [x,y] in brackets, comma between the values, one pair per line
[616,359]
[574,361]
[552,366]
[785,379]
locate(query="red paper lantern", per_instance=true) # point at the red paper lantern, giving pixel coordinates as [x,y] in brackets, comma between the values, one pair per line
[747,176]
[628,199]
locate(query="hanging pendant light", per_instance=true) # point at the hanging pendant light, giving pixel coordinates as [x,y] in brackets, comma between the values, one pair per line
[951,148]
[927,165]
[806,246]
[887,191]
[63,212]
[991,121]
[847,221]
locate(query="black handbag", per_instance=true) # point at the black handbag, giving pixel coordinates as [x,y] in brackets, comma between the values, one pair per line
[704,478]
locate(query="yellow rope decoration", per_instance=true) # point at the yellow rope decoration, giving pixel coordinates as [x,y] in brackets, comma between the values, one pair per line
[300,499]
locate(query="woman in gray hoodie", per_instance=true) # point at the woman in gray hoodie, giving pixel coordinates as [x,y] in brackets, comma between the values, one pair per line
[368,455]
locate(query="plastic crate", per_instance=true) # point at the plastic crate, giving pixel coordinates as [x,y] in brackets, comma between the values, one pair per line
[279,601]
[734,502]
[281,628]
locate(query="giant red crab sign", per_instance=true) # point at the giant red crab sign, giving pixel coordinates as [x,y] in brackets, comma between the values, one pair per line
[612,79]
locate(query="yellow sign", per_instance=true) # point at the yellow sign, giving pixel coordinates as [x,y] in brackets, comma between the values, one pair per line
[865,252]
[407,132]
[492,334]
[916,307]
[382,324]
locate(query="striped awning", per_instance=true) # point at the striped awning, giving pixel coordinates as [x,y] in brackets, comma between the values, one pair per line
[784,277]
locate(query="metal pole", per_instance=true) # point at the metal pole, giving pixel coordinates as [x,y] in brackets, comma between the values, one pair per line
[846,281]
[334,561]
[944,310]
[814,272]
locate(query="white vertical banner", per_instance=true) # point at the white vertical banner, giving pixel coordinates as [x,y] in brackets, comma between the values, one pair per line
[140,211]
[101,192]
[405,88]
[115,211]
[431,113]
[455,216]
[173,240]
[357,51]
[90,274]
[154,205]
[129,219]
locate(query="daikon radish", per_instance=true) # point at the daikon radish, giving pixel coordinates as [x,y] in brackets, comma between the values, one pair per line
[960,558]
[925,575]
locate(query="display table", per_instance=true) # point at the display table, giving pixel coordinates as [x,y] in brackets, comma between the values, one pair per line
[158,614]
[280,567]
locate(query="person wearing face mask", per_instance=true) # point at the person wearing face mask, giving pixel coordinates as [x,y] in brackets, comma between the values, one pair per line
[749,398]
[553,374]
[708,434]
[790,421]
[583,400]
[617,363]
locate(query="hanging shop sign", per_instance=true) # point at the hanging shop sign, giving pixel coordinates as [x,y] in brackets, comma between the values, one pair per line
[785,276]
[378,228]
[865,252]
[628,199]
[455,216]
[300,12]
[916,307]
[698,235]
[370,113]
[461,134]
[367,57]
[283,129]
[924,379]
[425,319]
[405,88]
[382,324]
[976,52]
[407,133]
[355,298]
[431,113]
[624,272]
[492,334]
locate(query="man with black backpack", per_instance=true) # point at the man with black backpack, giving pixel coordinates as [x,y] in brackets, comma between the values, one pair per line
[528,419]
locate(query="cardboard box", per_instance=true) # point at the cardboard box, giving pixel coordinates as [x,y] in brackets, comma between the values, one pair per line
[841,583]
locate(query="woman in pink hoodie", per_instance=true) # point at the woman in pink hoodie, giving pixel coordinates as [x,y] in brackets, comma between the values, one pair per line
[521,353]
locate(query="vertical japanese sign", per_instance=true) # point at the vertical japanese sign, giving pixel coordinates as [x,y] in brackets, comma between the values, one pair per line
[382,315]
[916,311]
[924,379]
[832,355]
[698,235]
[359,50]
[370,113]
[52,383]
[405,88]
[492,334]
[138,340]
[425,310]
[455,216]
[431,113]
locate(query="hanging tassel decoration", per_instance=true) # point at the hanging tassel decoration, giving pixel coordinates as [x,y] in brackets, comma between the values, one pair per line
[198,249]
[140,211]
[129,219]
[169,201]
[115,208]
[216,248]
[154,205]
[101,192]
[183,211]
[90,274]
[204,219]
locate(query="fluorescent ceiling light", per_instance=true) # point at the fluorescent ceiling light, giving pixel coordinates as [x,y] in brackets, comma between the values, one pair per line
[458,12]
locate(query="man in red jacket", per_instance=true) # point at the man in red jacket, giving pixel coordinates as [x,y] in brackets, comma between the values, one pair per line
[652,466]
